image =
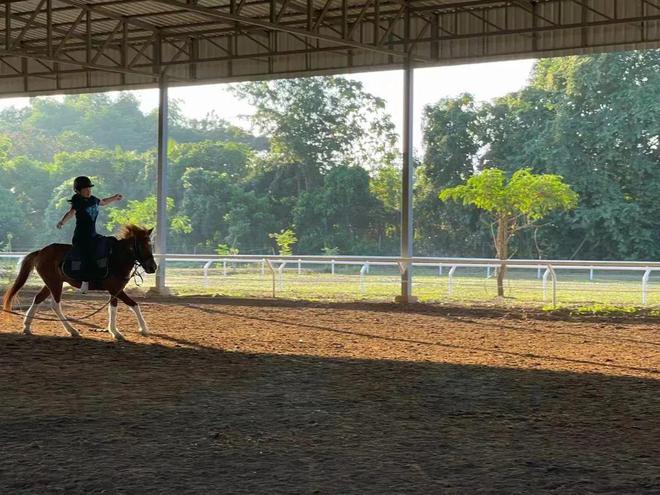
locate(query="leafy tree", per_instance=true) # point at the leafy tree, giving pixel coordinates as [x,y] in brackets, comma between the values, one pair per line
[385,187]
[318,123]
[209,128]
[594,120]
[452,144]
[11,221]
[223,157]
[122,171]
[328,216]
[514,205]
[143,213]
[249,220]
[450,129]
[222,249]
[385,184]
[208,197]
[284,239]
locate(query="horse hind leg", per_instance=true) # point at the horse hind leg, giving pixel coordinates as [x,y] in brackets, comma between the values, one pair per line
[56,291]
[41,296]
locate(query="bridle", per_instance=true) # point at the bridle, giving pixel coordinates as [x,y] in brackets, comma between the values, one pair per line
[138,262]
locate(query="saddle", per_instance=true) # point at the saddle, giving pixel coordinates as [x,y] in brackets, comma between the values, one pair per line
[98,268]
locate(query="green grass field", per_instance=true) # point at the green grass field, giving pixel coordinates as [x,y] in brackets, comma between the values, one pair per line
[471,286]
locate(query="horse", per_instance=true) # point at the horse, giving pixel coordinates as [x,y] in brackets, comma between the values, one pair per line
[133,246]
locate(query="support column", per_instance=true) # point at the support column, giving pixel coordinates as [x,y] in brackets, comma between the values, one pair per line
[161,193]
[407,187]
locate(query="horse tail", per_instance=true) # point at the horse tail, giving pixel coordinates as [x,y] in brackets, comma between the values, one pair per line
[26,268]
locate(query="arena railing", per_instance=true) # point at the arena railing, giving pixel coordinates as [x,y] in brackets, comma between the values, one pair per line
[275,265]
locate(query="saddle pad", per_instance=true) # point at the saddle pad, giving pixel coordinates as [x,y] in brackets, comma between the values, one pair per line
[73,265]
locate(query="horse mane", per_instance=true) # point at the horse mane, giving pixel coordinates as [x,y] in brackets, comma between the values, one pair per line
[131,231]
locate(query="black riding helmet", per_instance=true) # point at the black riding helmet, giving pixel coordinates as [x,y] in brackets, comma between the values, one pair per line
[81,183]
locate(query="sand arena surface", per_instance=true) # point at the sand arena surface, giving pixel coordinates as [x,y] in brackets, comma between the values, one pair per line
[286,397]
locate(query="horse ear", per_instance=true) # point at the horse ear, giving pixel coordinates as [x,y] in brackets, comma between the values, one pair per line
[150,231]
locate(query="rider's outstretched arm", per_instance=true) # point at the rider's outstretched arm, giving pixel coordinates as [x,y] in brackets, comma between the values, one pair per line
[111,199]
[67,216]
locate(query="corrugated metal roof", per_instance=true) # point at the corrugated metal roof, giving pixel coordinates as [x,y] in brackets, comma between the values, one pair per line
[122,43]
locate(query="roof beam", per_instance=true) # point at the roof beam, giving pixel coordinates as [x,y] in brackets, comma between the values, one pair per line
[109,13]
[270,26]
[41,57]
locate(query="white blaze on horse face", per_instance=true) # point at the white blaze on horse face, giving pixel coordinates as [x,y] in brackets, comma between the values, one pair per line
[138,314]
[27,322]
[57,307]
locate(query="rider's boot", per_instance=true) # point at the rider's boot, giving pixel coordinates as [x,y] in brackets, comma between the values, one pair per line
[84,287]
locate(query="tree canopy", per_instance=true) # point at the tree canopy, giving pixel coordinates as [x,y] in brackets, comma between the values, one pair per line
[323,161]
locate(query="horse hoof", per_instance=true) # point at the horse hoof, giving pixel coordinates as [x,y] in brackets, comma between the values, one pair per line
[75,335]
[144,333]
[116,334]
[26,331]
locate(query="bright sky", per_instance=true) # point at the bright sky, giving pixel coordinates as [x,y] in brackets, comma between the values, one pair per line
[485,81]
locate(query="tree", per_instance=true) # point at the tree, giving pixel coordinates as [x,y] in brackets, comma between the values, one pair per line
[11,222]
[207,199]
[594,120]
[450,129]
[452,144]
[514,205]
[224,157]
[31,187]
[342,213]
[284,240]
[143,213]
[249,220]
[385,187]
[318,123]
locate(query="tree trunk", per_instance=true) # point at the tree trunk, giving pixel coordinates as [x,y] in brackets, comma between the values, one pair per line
[502,249]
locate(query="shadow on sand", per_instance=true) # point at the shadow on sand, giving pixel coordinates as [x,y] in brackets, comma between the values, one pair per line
[90,416]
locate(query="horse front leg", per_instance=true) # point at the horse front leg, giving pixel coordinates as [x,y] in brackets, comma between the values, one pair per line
[135,307]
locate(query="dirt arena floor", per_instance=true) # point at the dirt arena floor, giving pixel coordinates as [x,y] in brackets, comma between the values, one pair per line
[264,397]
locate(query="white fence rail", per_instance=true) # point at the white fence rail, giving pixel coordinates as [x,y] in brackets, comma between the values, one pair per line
[546,270]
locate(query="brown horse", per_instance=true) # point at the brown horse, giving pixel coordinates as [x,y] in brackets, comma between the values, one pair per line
[133,246]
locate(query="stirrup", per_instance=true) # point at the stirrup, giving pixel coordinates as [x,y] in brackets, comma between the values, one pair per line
[84,287]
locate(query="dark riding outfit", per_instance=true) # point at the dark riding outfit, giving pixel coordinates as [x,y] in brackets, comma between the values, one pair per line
[85,237]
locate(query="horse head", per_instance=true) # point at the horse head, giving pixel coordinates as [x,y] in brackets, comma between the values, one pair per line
[140,246]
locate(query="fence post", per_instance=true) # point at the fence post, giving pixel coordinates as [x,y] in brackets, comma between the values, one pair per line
[488,272]
[545,284]
[332,265]
[299,267]
[450,280]
[224,268]
[553,275]
[591,274]
[440,269]
[280,271]
[363,270]
[18,264]
[206,272]
[263,267]
[272,272]
[645,286]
